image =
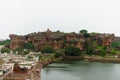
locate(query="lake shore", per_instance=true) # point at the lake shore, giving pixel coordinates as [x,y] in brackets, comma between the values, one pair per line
[107,59]
[95,58]
[35,72]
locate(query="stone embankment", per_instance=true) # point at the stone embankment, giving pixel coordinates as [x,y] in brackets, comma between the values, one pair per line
[93,59]
[73,58]
[102,59]
[35,72]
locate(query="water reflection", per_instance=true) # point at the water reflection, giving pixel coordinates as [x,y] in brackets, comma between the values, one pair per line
[81,70]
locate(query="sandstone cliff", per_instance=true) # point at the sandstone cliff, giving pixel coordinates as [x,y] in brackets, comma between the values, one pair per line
[58,39]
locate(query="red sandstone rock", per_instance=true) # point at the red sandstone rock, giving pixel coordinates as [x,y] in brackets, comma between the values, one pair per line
[58,40]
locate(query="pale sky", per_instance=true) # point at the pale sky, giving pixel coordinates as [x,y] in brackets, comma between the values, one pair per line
[27,16]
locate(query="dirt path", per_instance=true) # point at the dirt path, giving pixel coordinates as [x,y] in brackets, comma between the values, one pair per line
[2,77]
[35,72]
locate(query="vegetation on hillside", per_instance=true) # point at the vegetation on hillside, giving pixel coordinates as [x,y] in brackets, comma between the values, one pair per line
[47,49]
[116,44]
[92,45]
[5,42]
[72,51]
[28,45]
[5,50]
[84,33]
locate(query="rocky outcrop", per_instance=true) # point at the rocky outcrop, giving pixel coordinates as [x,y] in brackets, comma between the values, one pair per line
[16,41]
[58,39]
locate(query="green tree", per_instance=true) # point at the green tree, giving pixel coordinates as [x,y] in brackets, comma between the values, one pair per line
[5,42]
[5,50]
[83,31]
[72,51]
[28,45]
[103,51]
[116,44]
[47,49]
[58,31]
[25,51]
[113,51]
[59,53]
[89,47]
[19,50]
[86,35]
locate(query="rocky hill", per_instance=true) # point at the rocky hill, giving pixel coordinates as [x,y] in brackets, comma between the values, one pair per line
[59,39]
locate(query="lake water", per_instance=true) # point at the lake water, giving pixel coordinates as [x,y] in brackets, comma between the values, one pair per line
[81,70]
